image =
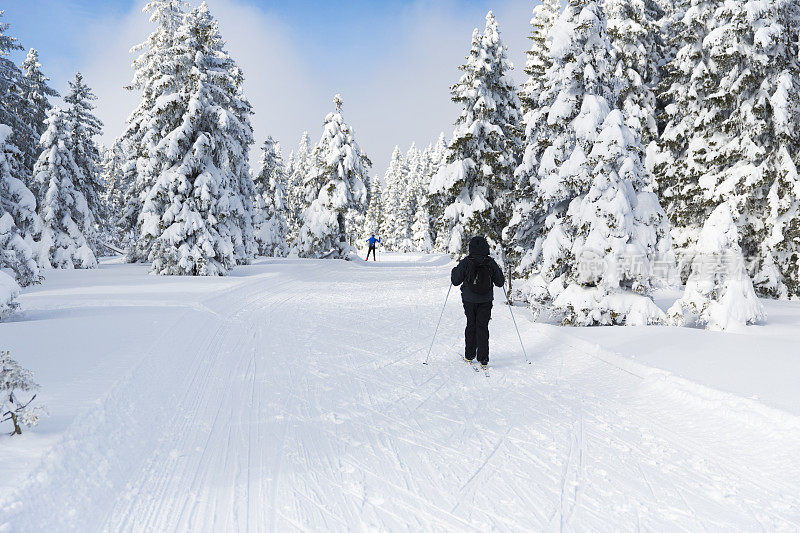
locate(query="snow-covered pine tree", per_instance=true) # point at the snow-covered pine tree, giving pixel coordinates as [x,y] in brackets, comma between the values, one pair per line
[614,234]
[684,144]
[486,144]
[538,56]
[337,190]
[719,291]
[12,104]
[15,380]
[633,27]
[159,73]
[421,228]
[35,93]
[408,192]
[603,230]
[17,206]
[15,253]
[66,217]
[396,172]
[85,127]
[270,202]
[111,170]
[375,221]
[524,228]
[296,186]
[755,46]
[197,217]
[438,201]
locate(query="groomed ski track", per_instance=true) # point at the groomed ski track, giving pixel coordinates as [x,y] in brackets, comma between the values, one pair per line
[295,399]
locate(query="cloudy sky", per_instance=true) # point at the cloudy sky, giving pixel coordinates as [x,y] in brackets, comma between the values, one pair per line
[392,61]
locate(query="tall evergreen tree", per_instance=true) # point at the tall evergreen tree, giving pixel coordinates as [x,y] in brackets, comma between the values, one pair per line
[525,226]
[538,56]
[395,223]
[690,118]
[755,46]
[486,144]
[85,127]
[17,204]
[271,203]
[337,191]
[12,104]
[634,33]
[296,187]
[160,72]
[197,217]
[65,213]
[375,211]
[35,93]
[603,229]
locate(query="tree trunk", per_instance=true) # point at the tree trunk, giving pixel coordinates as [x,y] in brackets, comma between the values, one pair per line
[17,430]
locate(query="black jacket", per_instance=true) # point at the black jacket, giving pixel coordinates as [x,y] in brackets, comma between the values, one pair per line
[479,251]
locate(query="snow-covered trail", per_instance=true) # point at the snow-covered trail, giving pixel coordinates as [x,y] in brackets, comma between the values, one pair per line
[296,400]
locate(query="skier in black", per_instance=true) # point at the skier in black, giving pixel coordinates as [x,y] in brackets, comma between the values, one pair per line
[476,274]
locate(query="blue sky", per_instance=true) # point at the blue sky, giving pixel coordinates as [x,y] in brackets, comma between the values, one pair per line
[393,61]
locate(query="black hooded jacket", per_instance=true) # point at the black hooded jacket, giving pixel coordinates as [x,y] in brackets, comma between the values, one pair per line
[478,251]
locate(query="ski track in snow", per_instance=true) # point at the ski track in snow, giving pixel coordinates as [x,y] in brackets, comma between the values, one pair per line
[298,402]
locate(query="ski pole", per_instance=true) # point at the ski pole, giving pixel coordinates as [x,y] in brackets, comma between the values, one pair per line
[437,325]
[515,327]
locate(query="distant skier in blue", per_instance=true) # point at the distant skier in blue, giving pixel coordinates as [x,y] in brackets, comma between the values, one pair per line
[372,241]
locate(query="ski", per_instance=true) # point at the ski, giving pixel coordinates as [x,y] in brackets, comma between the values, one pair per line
[485,370]
[471,363]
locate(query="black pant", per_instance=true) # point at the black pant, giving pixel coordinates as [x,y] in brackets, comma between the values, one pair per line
[371,251]
[476,334]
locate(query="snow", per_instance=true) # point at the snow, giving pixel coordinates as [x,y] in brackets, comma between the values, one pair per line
[290,395]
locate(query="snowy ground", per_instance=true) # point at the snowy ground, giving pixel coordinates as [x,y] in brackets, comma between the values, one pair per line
[291,396]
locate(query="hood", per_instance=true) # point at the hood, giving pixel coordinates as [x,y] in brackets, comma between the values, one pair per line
[478,246]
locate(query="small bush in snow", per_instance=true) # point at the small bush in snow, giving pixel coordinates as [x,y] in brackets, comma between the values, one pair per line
[719,290]
[15,380]
[9,290]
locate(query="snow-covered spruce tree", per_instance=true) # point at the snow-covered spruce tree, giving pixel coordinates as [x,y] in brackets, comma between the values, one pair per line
[375,221]
[13,109]
[197,217]
[613,234]
[295,189]
[438,201]
[755,46]
[160,71]
[85,127]
[66,217]
[408,198]
[395,225]
[337,191]
[486,144]
[719,291]
[603,229]
[421,228]
[17,204]
[524,228]
[633,27]
[684,144]
[111,170]
[270,202]
[14,381]
[538,56]
[35,93]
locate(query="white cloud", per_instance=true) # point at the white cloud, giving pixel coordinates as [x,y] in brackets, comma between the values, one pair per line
[405,99]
